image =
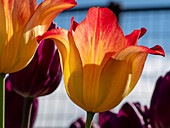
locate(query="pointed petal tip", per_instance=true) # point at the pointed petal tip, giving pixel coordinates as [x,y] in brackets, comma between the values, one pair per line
[132,38]
[74,25]
[39,38]
[74,2]
[143,31]
[158,50]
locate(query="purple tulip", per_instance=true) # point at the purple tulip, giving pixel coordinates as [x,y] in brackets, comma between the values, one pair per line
[108,119]
[14,104]
[43,74]
[160,103]
[131,115]
[80,123]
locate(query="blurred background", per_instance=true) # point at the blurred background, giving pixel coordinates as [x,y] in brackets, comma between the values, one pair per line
[57,111]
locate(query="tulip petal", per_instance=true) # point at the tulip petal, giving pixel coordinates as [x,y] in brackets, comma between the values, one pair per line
[128,64]
[61,37]
[91,75]
[3,31]
[17,14]
[132,38]
[46,12]
[22,11]
[99,34]
[122,55]
[74,87]
[136,57]
[74,25]
[71,63]
[112,82]
[54,78]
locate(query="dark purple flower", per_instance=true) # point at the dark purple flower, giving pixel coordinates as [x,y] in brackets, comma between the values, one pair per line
[108,119]
[14,104]
[43,74]
[80,123]
[131,115]
[160,103]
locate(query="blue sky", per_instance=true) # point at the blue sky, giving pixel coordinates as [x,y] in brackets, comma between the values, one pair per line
[125,3]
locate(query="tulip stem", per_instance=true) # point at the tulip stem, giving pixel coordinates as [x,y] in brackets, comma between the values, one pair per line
[89,119]
[2,100]
[27,112]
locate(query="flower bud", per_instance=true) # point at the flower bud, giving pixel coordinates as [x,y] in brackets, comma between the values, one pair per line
[160,103]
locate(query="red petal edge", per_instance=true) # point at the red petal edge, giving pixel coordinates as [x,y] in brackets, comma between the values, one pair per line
[158,50]
[74,25]
[132,38]
[142,32]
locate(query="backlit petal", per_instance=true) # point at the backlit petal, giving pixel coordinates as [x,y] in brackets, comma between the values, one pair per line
[113,81]
[132,39]
[71,63]
[46,12]
[17,13]
[91,76]
[157,50]
[136,57]
[3,31]
[127,67]
[22,10]
[6,31]
[136,62]
[91,80]
[60,36]
[99,34]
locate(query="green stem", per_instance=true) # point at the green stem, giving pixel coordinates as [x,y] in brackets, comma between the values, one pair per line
[89,119]
[27,112]
[2,100]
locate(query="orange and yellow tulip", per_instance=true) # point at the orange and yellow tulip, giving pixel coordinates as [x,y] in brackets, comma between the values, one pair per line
[21,22]
[100,65]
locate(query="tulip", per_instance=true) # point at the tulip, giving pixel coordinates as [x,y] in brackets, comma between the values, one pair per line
[21,22]
[131,115]
[100,65]
[159,108]
[14,104]
[41,77]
